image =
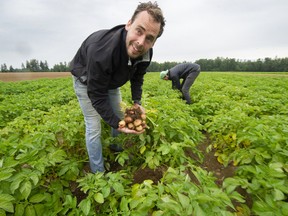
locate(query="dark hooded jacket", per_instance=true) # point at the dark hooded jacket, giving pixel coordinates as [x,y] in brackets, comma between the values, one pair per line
[181,71]
[102,63]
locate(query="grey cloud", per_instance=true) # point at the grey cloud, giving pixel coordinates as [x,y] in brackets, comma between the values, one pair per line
[53,30]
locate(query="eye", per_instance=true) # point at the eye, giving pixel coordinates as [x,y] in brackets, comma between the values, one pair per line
[138,31]
[150,39]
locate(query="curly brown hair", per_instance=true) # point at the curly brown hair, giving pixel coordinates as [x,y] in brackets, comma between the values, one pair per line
[154,10]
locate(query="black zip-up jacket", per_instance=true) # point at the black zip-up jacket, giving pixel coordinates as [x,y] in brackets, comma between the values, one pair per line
[103,59]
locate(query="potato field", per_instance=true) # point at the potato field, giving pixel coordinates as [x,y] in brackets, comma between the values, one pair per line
[225,154]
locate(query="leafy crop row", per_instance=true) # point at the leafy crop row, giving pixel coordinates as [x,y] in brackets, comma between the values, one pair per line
[43,156]
[247,119]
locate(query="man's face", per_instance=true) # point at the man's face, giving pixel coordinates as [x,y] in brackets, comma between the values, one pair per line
[141,34]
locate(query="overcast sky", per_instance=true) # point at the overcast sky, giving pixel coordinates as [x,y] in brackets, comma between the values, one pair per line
[53,30]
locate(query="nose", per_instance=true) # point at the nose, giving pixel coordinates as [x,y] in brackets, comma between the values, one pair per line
[141,40]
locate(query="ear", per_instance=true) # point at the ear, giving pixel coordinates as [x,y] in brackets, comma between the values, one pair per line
[128,25]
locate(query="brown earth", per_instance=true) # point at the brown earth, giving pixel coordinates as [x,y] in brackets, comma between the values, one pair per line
[21,76]
[210,163]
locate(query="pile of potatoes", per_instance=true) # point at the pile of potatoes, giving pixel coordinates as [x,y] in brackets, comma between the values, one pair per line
[134,119]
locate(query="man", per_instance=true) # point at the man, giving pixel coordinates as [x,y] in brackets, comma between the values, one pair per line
[186,71]
[106,60]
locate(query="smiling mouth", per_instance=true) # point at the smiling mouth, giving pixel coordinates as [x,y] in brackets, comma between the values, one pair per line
[136,49]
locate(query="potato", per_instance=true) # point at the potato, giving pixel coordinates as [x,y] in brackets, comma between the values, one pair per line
[131,126]
[137,122]
[128,119]
[143,116]
[139,128]
[122,124]
[134,119]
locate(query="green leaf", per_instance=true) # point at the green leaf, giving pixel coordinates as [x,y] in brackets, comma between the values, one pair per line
[122,157]
[165,149]
[6,174]
[19,209]
[158,213]
[278,195]
[57,156]
[29,210]
[10,162]
[16,182]
[277,166]
[63,170]
[6,197]
[261,207]
[85,206]
[5,202]
[106,191]
[284,208]
[169,204]
[34,177]
[37,198]
[118,187]
[198,210]
[124,205]
[235,195]
[184,200]
[285,167]
[25,189]
[230,184]
[121,161]
[142,137]
[259,159]
[204,198]
[98,197]
[136,202]
[142,149]
[39,209]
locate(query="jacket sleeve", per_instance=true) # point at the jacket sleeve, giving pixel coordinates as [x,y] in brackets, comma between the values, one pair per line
[136,86]
[138,78]
[176,83]
[99,75]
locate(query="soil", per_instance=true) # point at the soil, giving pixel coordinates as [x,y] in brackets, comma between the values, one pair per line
[21,76]
[210,163]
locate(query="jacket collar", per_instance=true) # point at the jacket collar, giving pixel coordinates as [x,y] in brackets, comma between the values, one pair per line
[144,58]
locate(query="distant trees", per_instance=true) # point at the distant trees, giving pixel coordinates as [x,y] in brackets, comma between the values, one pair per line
[261,65]
[4,68]
[231,64]
[34,65]
[61,67]
[218,64]
[155,66]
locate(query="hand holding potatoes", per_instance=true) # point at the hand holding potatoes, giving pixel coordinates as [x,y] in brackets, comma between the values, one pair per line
[134,121]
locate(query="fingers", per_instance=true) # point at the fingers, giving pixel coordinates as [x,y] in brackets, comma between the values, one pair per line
[129,131]
[141,108]
[138,132]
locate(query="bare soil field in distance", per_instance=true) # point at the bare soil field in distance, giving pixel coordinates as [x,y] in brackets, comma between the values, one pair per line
[21,76]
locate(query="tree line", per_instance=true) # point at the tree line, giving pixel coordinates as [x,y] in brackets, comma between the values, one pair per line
[218,64]
[231,64]
[34,65]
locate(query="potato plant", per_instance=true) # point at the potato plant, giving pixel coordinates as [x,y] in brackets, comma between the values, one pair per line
[42,149]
